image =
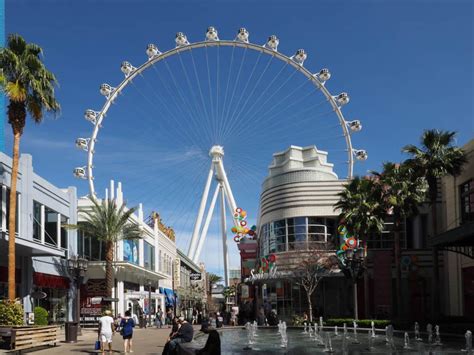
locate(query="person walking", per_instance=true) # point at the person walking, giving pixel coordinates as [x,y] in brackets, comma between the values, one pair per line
[106,330]
[126,330]
[159,318]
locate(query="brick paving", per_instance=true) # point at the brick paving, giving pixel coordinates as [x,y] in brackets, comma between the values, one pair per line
[145,341]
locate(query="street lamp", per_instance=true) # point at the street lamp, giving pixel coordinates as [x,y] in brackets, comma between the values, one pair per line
[149,302]
[77,270]
[352,264]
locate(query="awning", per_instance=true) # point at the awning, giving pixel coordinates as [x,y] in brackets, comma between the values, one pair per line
[459,236]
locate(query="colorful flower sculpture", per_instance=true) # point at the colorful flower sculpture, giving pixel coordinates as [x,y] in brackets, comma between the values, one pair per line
[347,242]
[241,229]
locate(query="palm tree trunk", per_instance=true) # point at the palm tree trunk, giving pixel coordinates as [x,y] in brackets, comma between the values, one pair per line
[109,272]
[398,270]
[12,216]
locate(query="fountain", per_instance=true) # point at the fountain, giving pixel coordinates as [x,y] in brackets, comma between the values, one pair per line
[305,328]
[328,344]
[437,336]
[417,332]
[370,340]
[321,322]
[283,333]
[468,337]
[345,330]
[407,341]
[429,330]
[335,331]
[372,324]
[250,338]
[355,341]
[389,336]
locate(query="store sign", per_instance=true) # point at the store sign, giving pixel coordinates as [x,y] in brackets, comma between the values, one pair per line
[273,273]
[195,276]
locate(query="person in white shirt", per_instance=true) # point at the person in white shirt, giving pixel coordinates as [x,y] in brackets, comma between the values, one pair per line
[106,330]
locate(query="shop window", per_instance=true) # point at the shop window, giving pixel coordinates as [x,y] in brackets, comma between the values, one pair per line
[467,201]
[36,221]
[149,256]
[51,226]
[64,233]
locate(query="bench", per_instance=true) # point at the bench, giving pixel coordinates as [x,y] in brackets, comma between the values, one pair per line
[22,338]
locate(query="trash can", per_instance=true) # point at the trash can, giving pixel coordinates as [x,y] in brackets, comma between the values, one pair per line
[142,322]
[71,332]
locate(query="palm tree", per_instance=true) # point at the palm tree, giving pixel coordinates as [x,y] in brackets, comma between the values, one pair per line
[403,192]
[436,157]
[213,279]
[109,223]
[29,87]
[363,212]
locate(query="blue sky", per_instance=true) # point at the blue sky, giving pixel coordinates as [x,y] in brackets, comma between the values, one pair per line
[407,66]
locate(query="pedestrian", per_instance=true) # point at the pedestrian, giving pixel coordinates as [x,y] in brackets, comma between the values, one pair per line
[219,320]
[183,335]
[126,330]
[158,317]
[106,330]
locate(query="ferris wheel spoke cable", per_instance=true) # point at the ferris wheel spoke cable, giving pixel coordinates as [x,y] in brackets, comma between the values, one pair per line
[260,96]
[211,95]
[177,121]
[226,115]
[244,90]
[251,95]
[193,95]
[217,95]
[282,106]
[185,103]
[221,115]
[199,86]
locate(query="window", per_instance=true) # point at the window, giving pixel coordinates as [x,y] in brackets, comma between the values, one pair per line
[64,233]
[90,247]
[149,256]
[36,221]
[467,201]
[51,226]
[297,233]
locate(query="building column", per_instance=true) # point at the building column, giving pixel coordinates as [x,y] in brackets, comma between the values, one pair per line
[120,294]
[42,223]
[26,282]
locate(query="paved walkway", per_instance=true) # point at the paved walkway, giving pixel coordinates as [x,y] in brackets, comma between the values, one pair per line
[145,341]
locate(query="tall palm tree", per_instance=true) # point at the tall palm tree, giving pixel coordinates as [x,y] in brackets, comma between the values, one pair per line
[436,157]
[213,278]
[362,210]
[109,223]
[403,192]
[29,87]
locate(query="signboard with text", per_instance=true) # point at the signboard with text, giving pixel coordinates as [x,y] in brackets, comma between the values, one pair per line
[195,276]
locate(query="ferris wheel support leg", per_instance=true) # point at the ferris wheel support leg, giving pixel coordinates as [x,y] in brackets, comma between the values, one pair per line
[224,239]
[227,189]
[202,206]
[210,212]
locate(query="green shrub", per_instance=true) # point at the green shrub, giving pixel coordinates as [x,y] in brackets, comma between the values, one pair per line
[365,323]
[41,316]
[11,313]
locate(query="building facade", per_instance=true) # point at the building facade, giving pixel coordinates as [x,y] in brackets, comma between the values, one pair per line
[42,243]
[297,216]
[143,269]
[457,240]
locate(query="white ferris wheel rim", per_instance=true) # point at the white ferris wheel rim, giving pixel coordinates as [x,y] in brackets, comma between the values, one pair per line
[100,115]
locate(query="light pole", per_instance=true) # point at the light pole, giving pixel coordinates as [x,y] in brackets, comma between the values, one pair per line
[352,265]
[77,269]
[149,302]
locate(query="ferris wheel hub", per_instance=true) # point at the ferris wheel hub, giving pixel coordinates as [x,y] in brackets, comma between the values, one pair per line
[216,152]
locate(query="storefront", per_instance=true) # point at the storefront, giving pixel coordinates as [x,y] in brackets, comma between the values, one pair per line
[56,300]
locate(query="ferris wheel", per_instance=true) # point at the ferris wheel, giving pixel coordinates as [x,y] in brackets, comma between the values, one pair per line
[183,106]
